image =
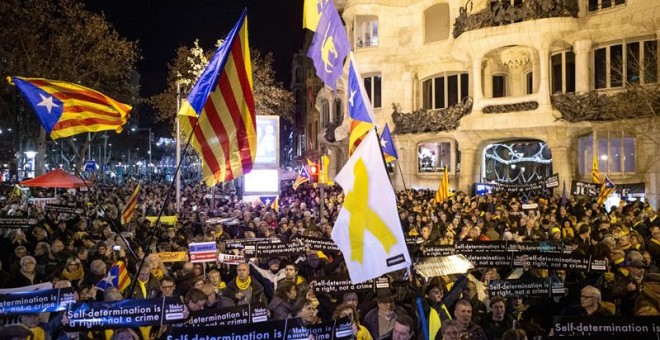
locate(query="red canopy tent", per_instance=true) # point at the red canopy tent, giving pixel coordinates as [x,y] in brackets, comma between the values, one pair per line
[57,178]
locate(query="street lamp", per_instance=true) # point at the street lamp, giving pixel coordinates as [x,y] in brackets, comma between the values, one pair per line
[149,152]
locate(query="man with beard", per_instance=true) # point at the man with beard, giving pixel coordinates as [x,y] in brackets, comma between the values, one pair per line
[380,320]
[626,286]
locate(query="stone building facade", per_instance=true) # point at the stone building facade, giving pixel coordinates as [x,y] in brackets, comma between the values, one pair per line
[506,90]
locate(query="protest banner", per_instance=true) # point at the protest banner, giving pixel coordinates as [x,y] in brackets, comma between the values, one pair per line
[430,251]
[315,243]
[247,245]
[175,256]
[84,316]
[279,249]
[237,315]
[526,288]
[17,222]
[614,327]
[557,261]
[60,208]
[36,301]
[481,246]
[290,329]
[443,265]
[38,286]
[166,220]
[231,259]
[340,284]
[543,247]
[41,202]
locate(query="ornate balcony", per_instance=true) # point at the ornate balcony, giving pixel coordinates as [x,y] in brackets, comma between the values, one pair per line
[503,13]
[424,120]
[631,103]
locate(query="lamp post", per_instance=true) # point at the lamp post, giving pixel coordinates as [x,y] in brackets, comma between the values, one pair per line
[149,152]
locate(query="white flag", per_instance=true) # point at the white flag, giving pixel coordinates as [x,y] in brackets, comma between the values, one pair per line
[368,229]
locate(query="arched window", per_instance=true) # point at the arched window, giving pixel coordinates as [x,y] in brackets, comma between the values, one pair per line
[445,90]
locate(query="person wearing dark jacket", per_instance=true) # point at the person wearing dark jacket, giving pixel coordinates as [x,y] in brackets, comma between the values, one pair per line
[380,320]
[497,321]
[27,275]
[590,304]
[244,289]
[282,305]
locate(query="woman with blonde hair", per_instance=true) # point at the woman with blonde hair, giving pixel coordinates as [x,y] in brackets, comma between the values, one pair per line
[158,269]
[73,271]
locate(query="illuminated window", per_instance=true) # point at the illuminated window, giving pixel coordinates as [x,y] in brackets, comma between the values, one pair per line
[615,151]
[366,30]
[433,157]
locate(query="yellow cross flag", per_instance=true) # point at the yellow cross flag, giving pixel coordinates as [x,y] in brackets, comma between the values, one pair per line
[368,230]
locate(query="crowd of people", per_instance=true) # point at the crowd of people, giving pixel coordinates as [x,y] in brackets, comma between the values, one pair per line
[76,250]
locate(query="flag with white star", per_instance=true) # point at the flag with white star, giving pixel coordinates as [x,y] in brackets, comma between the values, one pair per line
[67,109]
[387,145]
[117,277]
[359,108]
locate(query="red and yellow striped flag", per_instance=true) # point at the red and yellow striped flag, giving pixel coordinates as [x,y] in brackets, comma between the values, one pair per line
[443,190]
[595,174]
[222,105]
[66,109]
[128,211]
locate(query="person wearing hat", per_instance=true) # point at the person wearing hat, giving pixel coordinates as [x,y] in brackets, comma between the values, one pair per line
[649,295]
[555,235]
[380,320]
[626,286]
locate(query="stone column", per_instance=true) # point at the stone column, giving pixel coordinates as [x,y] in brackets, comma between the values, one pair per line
[581,48]
[407,98]
[477,93]
[563,163]
[544,77]
[470,168]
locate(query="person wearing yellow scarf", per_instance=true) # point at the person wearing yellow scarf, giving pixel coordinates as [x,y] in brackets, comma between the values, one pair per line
[73,271]
[243,289]
[157,273]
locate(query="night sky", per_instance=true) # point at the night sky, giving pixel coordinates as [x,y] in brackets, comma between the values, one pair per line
[162,26]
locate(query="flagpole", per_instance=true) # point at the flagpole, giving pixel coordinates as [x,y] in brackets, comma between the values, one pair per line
[403,180]
[177,175]
[146,247]
[105,214]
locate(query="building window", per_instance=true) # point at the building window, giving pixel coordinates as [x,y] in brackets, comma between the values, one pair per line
[596,5]
[499,86]
[325,112]
[636,65]
[436,23]
[372,84]
[433,157]
[445,90]
[339,112]
[563,72]
[366,30]
[529,82]
[615,151]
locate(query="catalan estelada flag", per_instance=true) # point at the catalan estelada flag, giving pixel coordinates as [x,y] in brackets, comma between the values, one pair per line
[66,109]
[221,104]
[303,177]
[387,145]
[595,174]
[129,209]
[605,190]
[312,10]
[117,277]
[443,190]
[359,108]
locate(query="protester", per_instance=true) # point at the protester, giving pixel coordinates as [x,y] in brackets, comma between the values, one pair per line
[77,249]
